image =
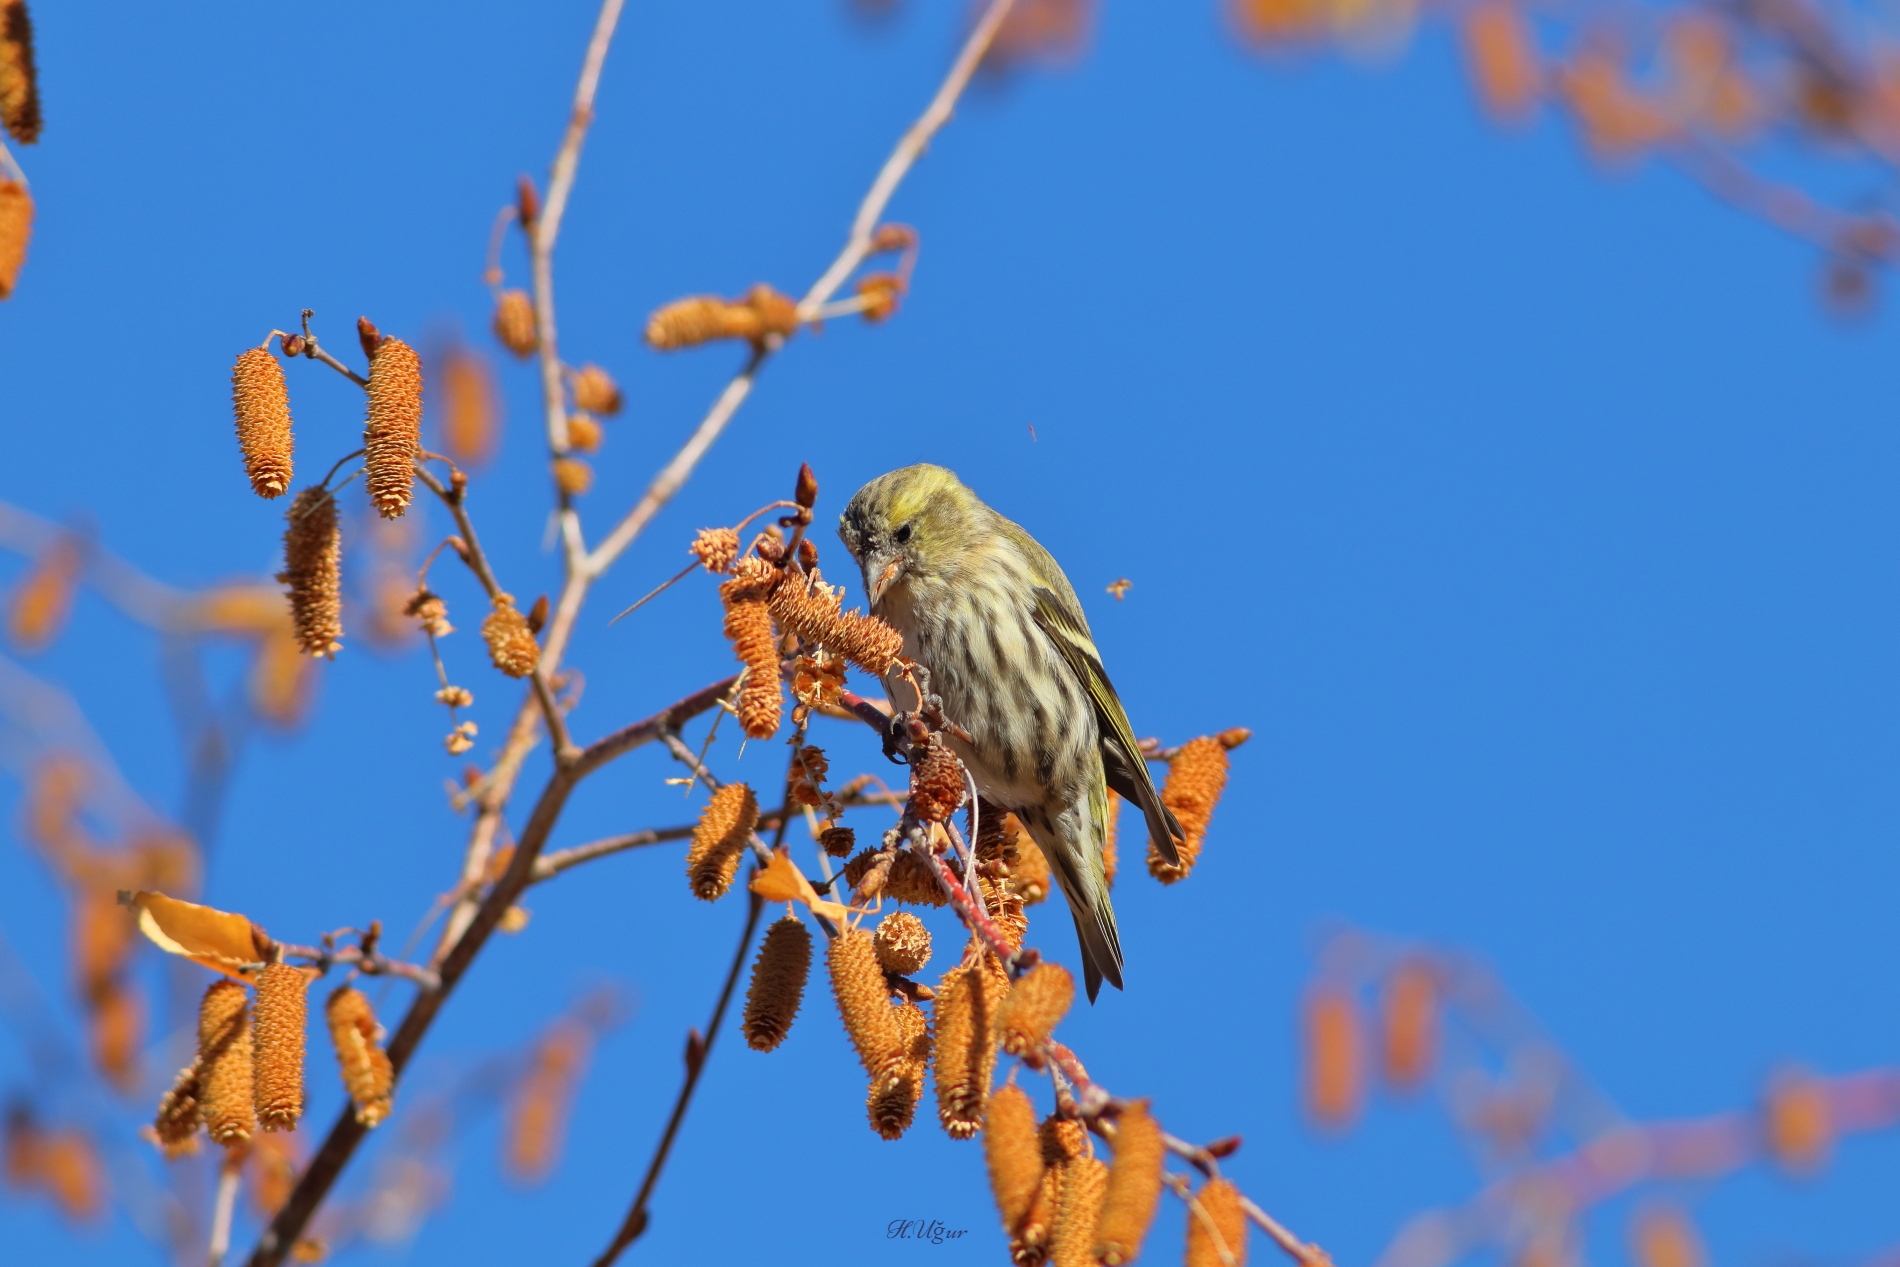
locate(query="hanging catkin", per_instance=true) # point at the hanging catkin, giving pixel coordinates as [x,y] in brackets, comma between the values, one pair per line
[857,983]
[277,1044]
[392,430]
[1134,1186]
[357,1037]
[16,227]
[1013,1153]
[1218,1204]
[19,82]
[175,1126]
[965,1048]
[719,838]
[224,1063]
[313,571]
[262,405]
[778,983]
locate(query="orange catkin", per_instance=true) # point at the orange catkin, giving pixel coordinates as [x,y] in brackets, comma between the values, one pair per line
[902,942]
[16,229]
[595,391]
[907,880]
[1798,1121]
[1409,1023]
[1196,778]
[1029,1014]
[313,571]
[689,322]
[392,429]
[277,1044]
[470,415]
[717,549]
[224,1063]
[749,627]
[1013,1153]
[1663,1236]
[1134,1186]
[367,1073]
[1333,1076]
[514,322]
[573,476]
[39,605]
[19,81]
[1078,1210]
[892,1100]
[857,983]
[778,983]
[261,403]
[966,1005]
[175,1126]
[1218,1204]
[511,643]
[936,783]
[811,610]
[116,1021]
[583,433]
[1502,59]
[719,839]
[1030,874]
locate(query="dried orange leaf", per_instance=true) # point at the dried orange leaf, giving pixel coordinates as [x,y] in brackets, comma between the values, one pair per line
[217,939]
[780,881]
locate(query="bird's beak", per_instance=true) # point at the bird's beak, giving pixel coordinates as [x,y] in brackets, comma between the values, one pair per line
[886,577]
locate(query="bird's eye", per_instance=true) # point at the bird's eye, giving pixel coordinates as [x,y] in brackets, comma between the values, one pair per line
[903,535]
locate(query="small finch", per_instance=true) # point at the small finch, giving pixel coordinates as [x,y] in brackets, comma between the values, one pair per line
[985,609]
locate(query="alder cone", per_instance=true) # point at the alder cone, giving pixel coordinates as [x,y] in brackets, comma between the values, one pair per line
[514,323]
[313,571]
[278,1045]
[778,983]
[261,403]
[367,1073]
[1013,1154]
[224,1063]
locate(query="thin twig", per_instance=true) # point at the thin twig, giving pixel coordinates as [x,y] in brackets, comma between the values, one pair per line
[552,864]
[230,1172]
[370,965]
[697,1051]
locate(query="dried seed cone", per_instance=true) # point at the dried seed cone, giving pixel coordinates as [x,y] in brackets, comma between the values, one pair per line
[175,1125]
[583,433]
[936,784]
[313,571]
[392,432]
[1078,1208]
[277,1038]
[1134,1186]
[857,983]
[1005,906]
[514,323]
[596,391]
[811,610]
[749,627]
[1030,874]
[367,1073]
[908,880]
[19,81]
[511,643]
[262,405]
[573,476]
[1220,1205]
[778,983]
[16,228]
[838,842]
[1196,778]
[966,1048]
[902,942]
[892,1100]
[717,549]
[1029,1014]
[718,840]
[1013,1154]
[224,1063]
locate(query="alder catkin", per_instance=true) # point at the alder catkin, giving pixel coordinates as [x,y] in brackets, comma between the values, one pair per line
[261,402]
[1798,1121]
[1029,876]
[572,476]
[357,1038]
[778,983]
[1029,1014]
[511,643]
[936,783]
[857,983]
[224,1063]
[892,1100]
[313,571]
[1013,1154]
[1078,1208]
[277,1037]
[749,627]
[392,429]
[175,1126]
[810,609]
[1409,1023]
[16,229]
[717,549]
[1195,780]
[701,319]
[595,391]
[584,434]
[1134,1186]
[19,81]
[965,1044]
[1219,1204]
[903,943]
[719,838]
[514,322]
[1334,1078]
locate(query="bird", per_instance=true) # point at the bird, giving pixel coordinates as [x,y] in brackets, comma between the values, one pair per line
[988,612]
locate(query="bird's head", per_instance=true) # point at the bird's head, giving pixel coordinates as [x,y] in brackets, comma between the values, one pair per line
[913,522]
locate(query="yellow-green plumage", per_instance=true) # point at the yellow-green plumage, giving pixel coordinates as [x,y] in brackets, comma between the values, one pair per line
[990,614]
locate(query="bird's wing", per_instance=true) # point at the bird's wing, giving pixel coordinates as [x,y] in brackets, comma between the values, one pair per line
[1126,772]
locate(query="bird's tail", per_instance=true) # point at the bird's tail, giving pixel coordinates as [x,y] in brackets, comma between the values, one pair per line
[1094,917]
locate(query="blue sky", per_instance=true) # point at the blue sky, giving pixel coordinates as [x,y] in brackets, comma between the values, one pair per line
[1539,525]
